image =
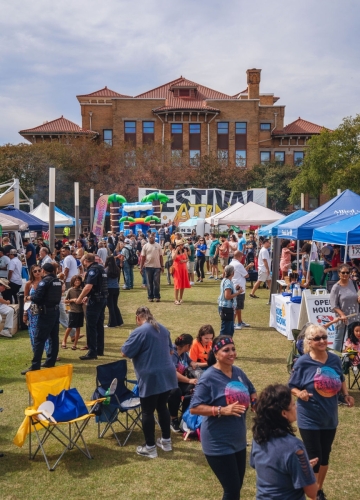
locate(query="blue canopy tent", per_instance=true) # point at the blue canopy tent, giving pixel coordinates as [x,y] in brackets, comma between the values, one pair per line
[272,229]
[341,207]
[345,232]
[33,222]
[70,217]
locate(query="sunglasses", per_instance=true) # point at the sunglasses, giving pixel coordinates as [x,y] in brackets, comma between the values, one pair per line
[344,272]
[319,337]
[37,271]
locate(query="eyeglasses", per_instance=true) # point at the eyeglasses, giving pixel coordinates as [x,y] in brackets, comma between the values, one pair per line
[319,337]
[344,272]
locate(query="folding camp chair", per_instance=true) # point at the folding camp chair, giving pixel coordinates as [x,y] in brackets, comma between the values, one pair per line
[351,370]
[123,401]
[40,384]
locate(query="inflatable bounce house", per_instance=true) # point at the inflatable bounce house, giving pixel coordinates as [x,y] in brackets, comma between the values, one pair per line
[138,216]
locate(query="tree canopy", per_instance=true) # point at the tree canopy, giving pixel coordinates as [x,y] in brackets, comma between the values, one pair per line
[332,162]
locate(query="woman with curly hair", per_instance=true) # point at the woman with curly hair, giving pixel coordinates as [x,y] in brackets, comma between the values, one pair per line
[282,466]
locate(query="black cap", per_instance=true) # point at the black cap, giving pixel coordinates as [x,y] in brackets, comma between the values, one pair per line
[49,268]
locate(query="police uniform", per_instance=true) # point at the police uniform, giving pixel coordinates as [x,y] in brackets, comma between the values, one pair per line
[47,297]
[95,310]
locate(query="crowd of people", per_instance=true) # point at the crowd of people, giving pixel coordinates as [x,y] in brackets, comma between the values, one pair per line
[80,278]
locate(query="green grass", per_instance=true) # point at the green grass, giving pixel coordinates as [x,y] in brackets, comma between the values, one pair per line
[184,474]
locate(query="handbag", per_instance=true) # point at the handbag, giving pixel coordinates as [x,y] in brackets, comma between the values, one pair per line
[68,405]
[34,309]
[227,314]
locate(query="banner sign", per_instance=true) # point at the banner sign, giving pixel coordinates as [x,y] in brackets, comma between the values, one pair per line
[284,315]
[46,237]
[317,309]
[354,251]
[192,202]
[99,217]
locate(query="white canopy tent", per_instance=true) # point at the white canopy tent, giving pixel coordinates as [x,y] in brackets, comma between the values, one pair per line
[214,220]
[42,212]
[249,214]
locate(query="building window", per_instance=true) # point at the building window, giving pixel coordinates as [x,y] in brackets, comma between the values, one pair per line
[280,158]
[176,136]
[240,128]
[240,158]
[265,157]
[313,202]
[223,136]
[265,126]
[194,143]
[184,92]
[148,132]
[298,158]
[194,157]
[223,156]
[108,136]
[130,132]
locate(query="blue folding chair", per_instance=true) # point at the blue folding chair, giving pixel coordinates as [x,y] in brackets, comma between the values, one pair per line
[123,402]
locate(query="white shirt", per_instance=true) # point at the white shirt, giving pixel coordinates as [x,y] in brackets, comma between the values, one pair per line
[103,254]
[71,264]
[45,260]
[4,261]
[239,274]
[263,255]
[16,267]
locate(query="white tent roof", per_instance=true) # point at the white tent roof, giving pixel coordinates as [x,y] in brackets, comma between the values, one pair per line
[215,219]
[42,212]
[9,223]
[249,214]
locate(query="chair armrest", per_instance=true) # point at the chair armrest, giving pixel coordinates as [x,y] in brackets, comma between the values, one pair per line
[92,403]
[30,413]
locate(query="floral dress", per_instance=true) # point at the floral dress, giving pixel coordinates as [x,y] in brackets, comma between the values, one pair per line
[33,319]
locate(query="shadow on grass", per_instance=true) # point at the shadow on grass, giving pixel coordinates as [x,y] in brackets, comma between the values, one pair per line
[264,361]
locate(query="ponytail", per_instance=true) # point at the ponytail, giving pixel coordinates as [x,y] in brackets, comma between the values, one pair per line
[184,339]
[145,314]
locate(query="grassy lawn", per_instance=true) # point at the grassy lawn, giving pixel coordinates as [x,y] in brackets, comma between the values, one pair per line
[183,474]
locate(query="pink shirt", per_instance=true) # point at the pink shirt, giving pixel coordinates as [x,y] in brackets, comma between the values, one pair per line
[285,261]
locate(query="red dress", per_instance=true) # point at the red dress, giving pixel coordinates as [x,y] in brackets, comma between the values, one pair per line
[181,278]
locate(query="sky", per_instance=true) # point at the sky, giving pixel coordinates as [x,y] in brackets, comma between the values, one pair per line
[52,51]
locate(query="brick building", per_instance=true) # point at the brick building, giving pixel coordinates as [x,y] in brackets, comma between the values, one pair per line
[245,129]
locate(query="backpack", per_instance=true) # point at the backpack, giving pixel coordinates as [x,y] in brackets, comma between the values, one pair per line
[133,258]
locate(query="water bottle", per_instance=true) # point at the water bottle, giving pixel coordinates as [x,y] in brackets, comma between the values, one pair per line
[294,291]
[107,400]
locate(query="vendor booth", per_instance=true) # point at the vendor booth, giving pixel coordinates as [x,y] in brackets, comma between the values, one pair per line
[34,223]
[61,218]
[249,214]
[272,229]
[284,315]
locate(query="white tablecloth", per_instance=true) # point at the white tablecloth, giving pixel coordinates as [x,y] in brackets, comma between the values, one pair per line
[284,315]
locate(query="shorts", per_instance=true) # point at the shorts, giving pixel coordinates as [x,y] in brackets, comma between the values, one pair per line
[263,276]
[224,261]
[214,260]
[207,258]
[190,267]
[76,320]
[240,301]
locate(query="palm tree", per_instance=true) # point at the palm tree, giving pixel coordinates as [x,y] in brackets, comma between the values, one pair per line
[115,200]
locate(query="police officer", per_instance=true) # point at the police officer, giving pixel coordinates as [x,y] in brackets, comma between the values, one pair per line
[47,297]
[94,294]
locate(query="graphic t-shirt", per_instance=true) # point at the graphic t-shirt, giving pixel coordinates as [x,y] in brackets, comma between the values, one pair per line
[282,469]
[181,362]
[198,352]
[225,435]
[323,381]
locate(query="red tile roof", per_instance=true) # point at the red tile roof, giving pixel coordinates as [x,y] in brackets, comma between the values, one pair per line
[188,104]
[164,91]
[299,126]
[105,92]
[59,126]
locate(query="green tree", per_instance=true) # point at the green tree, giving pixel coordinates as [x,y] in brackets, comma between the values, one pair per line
[332,162]
[276,178]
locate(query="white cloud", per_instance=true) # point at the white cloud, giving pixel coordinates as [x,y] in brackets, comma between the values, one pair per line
[50,52]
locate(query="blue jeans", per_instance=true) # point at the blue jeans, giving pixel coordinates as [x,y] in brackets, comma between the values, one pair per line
[339,336]
[227,327]
[153,282]
[129,275]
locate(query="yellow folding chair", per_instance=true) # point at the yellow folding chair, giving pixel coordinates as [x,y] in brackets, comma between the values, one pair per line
[40,384]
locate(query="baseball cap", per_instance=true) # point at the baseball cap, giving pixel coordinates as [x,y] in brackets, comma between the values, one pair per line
[49,268]
[126,240]
[13,251]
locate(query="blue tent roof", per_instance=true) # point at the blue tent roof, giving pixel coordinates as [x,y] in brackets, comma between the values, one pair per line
[272,229]
[58,210]
[33,222]
[341,207]
[345,232]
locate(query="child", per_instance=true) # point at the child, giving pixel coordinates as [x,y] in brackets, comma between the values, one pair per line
[353,342]
[76,314]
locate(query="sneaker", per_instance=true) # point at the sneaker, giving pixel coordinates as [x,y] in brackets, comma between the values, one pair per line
[244,324]
[6,333]
[164,444]
[321,495]
[175,425]
[191,283]
[144,451]
[237,326]
[211,277]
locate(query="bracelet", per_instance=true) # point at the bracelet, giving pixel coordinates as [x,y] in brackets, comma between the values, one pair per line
[219,411]
[213,411]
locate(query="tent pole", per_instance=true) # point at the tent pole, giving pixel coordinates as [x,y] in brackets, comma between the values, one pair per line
[346,249]
[76,188]
[275,266]
[16,194]
[297,256]
[52,172]
[91,209]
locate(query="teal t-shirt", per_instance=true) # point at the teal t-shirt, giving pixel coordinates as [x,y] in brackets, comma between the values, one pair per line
[192,253]
[214,244]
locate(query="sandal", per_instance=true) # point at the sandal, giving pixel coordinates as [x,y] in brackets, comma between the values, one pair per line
[177,303]
[85,348]
[63,346]
[254,296]
[73,348]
